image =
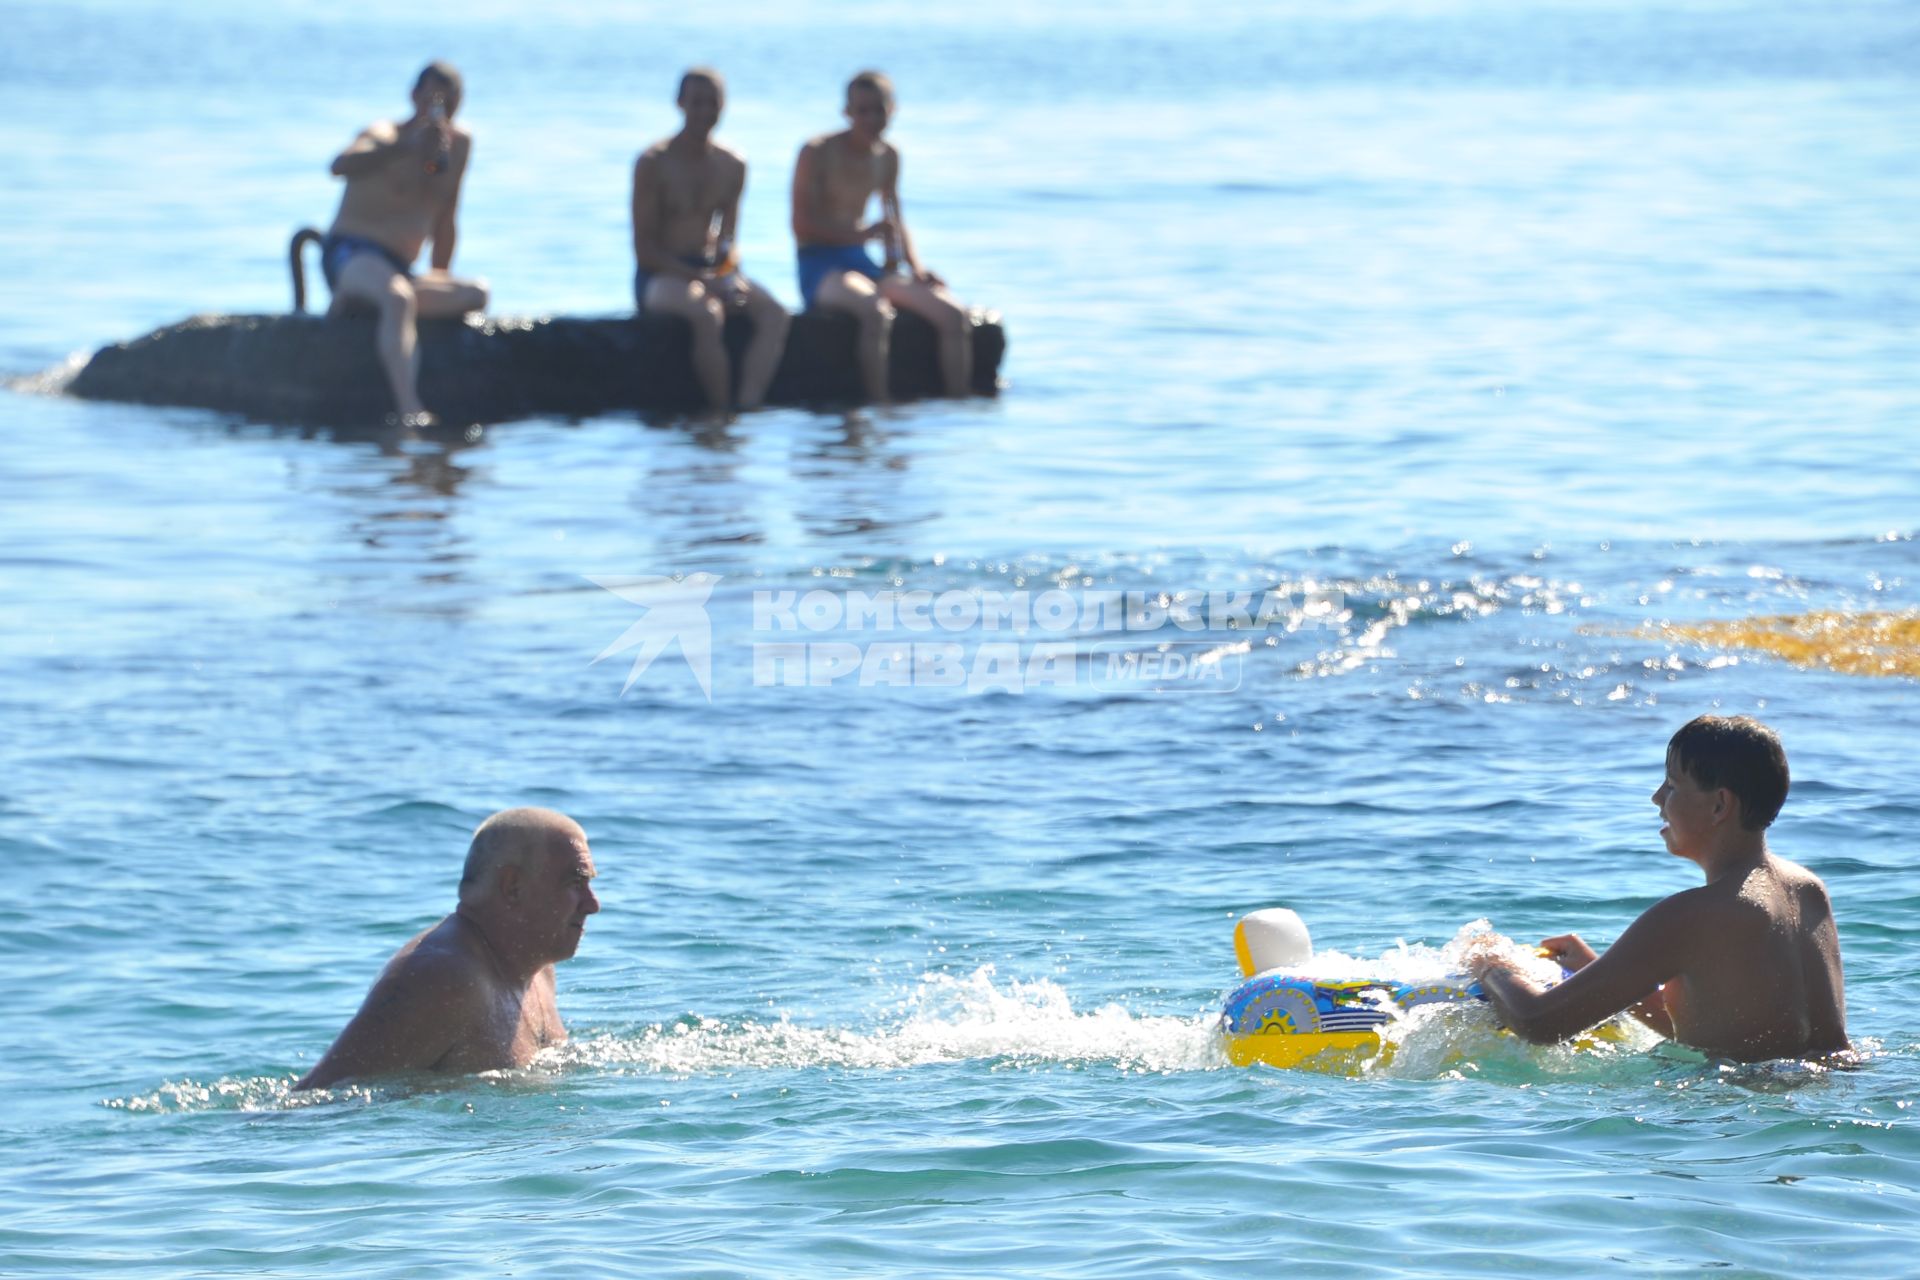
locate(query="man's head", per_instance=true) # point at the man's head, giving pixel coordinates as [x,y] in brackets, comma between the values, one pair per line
[532,871]
[437,79]
[869,103]
[701,97]
[1721,768]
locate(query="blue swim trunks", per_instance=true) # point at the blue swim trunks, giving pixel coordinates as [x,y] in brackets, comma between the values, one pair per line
[818,261]
[643,277]
[335,250]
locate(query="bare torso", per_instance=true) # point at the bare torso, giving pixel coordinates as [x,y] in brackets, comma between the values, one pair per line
[442,1004]
[504,1026]
[1760,974]
[680,194]
[397,204]
[1747,966]
[844,178]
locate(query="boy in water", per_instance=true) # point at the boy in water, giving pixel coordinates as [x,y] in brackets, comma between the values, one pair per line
[1745,967]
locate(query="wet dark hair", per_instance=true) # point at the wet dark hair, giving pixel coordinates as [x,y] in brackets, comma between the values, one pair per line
[440,70]
[876,81]
[1740,754]
[708,74]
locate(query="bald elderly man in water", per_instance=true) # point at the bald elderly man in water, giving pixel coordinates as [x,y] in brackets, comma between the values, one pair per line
[475,992]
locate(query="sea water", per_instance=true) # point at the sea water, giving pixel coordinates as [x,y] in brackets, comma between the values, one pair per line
[1476,337]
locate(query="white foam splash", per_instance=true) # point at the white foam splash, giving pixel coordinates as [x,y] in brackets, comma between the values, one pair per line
[49,382]
[276,1093]
[949,1019]
[1417,962]
[253,1093]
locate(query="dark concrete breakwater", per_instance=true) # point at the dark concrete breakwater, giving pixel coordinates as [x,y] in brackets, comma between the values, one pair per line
[316,370]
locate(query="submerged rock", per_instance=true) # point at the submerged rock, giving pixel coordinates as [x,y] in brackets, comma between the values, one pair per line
[318,370]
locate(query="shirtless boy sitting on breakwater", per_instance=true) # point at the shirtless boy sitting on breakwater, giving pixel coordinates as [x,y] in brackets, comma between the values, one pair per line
[476,992]
[1745,967]
[836,175]
[686,212]
[403,184]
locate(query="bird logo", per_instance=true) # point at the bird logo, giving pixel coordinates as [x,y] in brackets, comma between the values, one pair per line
[676,612]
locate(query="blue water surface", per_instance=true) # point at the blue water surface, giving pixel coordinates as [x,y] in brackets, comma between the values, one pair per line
[1484,335]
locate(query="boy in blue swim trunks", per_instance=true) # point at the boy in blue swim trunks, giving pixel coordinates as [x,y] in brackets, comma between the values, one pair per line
[403,185]
[837,174]
[686,207]
[1747,966]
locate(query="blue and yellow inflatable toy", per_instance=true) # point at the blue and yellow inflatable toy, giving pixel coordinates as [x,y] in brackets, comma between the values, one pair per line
[1283,1019]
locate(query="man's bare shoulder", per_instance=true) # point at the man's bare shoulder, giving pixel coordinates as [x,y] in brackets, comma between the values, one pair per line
[424,998]
[730,159]
[653,154]
[439,961]
[431,992]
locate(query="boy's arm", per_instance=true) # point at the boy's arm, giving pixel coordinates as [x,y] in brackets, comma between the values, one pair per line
[647,251]
[730,219]
[890,212]
[376,147]
[805,195]
[1571,952]
[446,230]
[1628,974]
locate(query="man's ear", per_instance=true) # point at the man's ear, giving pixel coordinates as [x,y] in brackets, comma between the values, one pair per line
[1725,805]
[508,884]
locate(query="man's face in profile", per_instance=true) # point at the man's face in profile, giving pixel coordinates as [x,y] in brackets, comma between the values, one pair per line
[558,897]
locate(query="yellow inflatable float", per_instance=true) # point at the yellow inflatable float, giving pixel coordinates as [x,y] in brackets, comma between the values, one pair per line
[1283,1018]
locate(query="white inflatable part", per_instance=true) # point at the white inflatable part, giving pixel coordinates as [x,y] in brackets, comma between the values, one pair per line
[1273,938]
